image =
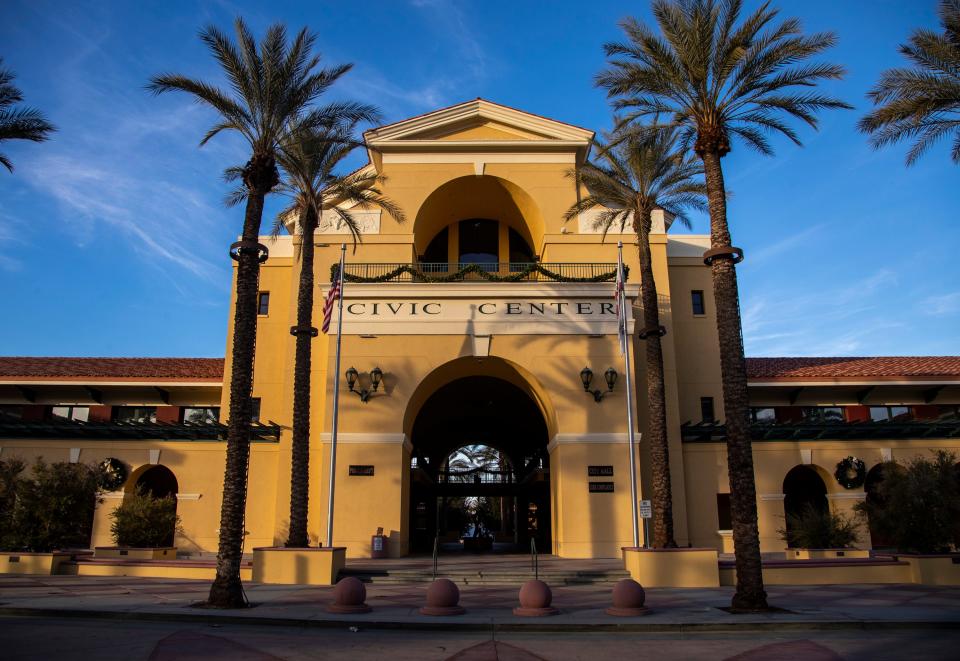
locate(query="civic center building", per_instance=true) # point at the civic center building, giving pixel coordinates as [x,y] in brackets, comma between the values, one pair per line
[476,317]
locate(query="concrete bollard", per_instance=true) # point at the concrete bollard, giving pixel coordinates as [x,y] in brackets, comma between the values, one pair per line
[628,599]
[349,595]
[443,598]
[535,599]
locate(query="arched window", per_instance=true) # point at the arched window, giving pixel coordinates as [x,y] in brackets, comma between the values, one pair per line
[803,488]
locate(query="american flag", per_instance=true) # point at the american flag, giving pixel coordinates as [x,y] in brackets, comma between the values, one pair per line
[619,295]
[332,296]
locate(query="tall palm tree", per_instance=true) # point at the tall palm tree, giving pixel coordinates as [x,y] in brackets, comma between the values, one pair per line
[628,180]
[923,103]
[717,78]
[270,84]
[308,158]
[18,123]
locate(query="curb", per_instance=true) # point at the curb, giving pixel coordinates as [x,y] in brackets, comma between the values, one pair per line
[535,626]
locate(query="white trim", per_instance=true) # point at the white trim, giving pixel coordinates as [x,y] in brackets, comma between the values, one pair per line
[886,454]
[113,495]
[470,156]
[189,496]
[479,109]
[407,445]
[481,346]
[806,456]
[154,456]
[847,495]
[603,437]
[480,289]
[359,437]
[771,496]
[74,455]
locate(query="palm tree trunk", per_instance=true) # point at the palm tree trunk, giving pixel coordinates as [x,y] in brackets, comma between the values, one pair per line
[300,460]
[749,594]
[226,591]
[656,400]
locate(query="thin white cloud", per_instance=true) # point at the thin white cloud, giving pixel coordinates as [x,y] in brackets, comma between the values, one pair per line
[942,305]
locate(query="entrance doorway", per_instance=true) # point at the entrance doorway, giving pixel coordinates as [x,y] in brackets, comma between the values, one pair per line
[479,473]
[803,491]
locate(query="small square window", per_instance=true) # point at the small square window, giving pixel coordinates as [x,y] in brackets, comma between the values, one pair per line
[263,303]
[696,297]
[706,409]
[139,414]
[201,415]
[255,409]
[81,413]
[763,416]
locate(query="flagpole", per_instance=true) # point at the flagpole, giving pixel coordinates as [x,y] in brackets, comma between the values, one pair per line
[336,399]
[625,345]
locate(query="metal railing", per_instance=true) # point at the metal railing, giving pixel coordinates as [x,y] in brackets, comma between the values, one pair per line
[476,476]
[714,432]
[436,555]
[122,431]
[466,272]
[534,559]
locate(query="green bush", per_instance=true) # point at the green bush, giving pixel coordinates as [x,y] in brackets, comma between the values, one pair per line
[815,529]
[142,520]
[49,509]
[918,504]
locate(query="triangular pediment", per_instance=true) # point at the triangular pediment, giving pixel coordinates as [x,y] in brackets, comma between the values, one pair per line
[478,121]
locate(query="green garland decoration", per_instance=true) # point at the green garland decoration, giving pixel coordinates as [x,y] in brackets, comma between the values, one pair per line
[114,473]
[458,276]
[851,473]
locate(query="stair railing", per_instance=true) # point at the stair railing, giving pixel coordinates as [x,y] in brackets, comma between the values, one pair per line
[436,554]
[534,559]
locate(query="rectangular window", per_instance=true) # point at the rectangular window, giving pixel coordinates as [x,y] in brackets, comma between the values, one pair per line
[706,409]
[138,414]
[81,413]
[10,412]
[822,414]
[201,415]
[255,409]
[263,303]
[699,307]
[882,413]
[763,416]
[724,520]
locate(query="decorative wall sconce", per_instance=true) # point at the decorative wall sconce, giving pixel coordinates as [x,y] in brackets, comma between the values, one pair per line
[353,377]
[610,376]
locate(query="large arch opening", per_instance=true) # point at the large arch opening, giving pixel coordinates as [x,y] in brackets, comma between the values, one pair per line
[479,472]
[803,489]
[156,481]
[473,219]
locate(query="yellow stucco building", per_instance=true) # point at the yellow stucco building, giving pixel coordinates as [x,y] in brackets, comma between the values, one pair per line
[494,358]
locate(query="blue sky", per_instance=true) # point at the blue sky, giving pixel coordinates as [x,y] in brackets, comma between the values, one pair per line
[115,236]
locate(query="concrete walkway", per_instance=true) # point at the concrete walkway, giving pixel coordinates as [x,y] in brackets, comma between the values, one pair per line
[489,608]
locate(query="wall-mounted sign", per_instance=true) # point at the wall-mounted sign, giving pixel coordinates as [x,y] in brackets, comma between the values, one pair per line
[366,471]
[601,487]
[600,471]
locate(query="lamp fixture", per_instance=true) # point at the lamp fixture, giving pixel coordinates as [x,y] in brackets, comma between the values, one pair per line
[353,378]
[586,377]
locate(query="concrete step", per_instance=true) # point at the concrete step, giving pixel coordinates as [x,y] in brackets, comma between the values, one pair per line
[510,577]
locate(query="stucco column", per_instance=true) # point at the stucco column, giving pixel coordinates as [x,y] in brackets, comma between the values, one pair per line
[770,518]
[842,503]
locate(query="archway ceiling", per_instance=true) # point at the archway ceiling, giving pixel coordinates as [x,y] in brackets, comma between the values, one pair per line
[479,410]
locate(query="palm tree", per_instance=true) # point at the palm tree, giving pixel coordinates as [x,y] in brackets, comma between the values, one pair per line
[18,123]
[717,78]
[270,84]
[308,157]
[923,103]
[628,180]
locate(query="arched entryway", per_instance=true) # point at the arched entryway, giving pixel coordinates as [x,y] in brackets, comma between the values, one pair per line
[510,489]
[803,489]
[158,482]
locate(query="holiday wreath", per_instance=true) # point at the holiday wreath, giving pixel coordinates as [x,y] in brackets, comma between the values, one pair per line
[851,472]
[114,473]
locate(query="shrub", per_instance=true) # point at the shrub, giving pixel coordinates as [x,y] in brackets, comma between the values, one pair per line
[816,529]
[10,471]
[918,504]
[52,507]
[143,520]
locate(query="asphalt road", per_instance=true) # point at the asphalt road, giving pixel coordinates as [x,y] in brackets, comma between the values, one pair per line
[28,638]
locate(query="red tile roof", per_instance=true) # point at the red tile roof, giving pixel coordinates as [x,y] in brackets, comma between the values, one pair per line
[879,367]
[111,369]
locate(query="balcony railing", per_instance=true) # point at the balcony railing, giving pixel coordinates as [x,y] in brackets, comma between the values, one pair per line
[868,430]
[123,431]
[465,272]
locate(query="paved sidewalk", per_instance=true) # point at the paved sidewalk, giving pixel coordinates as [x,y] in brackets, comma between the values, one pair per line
[488,607]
